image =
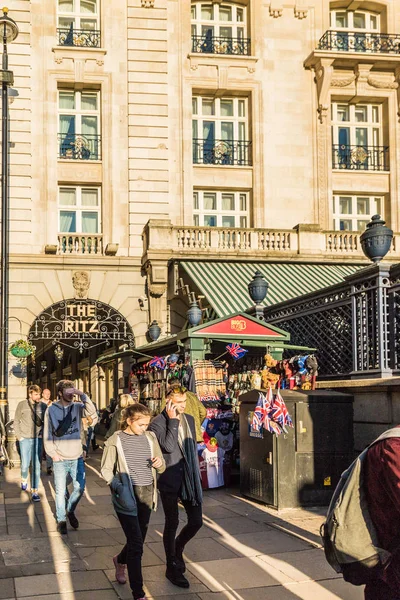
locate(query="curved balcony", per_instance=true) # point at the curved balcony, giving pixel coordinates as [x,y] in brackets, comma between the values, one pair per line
[80,38]
[74,146]
[354,41]
[221,45]
[222,152]
[360,158]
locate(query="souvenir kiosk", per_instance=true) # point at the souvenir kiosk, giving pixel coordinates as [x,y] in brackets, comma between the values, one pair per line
[219,361]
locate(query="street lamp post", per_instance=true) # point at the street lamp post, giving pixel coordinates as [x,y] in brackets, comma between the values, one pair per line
[9,32]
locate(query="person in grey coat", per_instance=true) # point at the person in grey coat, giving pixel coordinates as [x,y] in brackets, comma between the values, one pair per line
[28,427]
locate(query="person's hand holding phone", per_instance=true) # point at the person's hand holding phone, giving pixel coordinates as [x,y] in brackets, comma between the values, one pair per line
[156,462]
[171,410]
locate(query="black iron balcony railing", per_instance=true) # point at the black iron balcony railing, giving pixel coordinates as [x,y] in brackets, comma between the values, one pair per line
[353,41]
[360,158]
[221,152]
[79,147]
[220,45]
[82,38]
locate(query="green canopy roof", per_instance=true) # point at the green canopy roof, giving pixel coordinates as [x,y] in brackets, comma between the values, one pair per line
[225,283]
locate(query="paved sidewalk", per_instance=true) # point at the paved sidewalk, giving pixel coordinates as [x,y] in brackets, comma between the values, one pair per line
[244,551]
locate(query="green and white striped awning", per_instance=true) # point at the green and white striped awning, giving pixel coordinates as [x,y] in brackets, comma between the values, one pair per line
[225,283]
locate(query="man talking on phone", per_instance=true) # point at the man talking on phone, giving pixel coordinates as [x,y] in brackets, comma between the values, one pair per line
[176,434]
[62,442]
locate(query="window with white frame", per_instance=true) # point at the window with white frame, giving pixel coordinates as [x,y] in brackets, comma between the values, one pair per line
[220,130]
[219,20]
[353,213]
[79,124]
[79,209]
[358,20]
[221,209]
[357,124]
[79,14]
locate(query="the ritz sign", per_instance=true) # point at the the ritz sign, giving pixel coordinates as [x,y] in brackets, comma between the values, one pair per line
[81,318]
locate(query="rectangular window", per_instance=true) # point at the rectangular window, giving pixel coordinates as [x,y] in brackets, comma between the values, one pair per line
[220,209]
[78,14]
[79,124]
[352,213]
[221,131]
[218,20]
[79,209]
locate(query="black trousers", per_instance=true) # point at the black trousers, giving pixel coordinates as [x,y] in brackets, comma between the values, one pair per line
[135,529]
[194,523]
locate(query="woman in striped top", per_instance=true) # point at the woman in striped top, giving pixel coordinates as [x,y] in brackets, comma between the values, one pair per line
[131,460]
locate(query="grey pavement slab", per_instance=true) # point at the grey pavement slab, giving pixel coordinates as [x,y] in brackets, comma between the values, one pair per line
[7,589]
[234,526]
[22,552]
[96,537]
[101,557]
[99,595]
[198,550]
[40,585]
[300,566]
[156,584]
[266,542]
[237,573]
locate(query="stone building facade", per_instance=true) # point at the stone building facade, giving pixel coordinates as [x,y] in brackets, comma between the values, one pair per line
[151,132]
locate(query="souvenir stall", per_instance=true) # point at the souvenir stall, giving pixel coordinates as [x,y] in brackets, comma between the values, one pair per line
[220,361]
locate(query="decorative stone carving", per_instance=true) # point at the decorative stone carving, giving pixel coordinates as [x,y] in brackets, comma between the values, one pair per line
[300,13]
[100,63]
[323,77]
[148,3]
[397,80]
[382,84]
[275,12]
[58,60]
[81,283]
[342,82]
[251,69]
[157,290]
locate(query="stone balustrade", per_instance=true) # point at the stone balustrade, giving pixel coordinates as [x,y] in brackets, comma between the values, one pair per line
[80,243]
[304,241]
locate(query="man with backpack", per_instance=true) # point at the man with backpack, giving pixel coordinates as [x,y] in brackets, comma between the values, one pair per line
[28,427]
[63,423]
[382,487]
[361,534]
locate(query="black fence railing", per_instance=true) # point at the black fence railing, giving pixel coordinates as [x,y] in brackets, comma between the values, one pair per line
[355,325]
[354,41]
[360,158]
[79,147]
[221,45]
[83,38]
[222,152]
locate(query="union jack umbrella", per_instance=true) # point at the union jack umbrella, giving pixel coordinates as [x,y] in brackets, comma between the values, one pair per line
[236,351]
[157,363]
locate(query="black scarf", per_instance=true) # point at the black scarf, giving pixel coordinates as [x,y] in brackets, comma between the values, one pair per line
[191,487]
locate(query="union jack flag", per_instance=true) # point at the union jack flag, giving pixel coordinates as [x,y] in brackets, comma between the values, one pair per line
[283,413]
[270,423]
[236,351]
[260,413]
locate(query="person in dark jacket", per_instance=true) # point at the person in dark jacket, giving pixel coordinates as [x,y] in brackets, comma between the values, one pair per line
[382,485]
[176,434]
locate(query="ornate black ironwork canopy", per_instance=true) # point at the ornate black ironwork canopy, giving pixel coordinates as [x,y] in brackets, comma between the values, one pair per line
[81,324]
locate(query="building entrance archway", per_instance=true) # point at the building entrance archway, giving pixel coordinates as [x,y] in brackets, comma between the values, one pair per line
[70,337]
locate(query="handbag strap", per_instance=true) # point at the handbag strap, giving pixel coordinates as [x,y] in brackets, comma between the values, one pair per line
[36,418]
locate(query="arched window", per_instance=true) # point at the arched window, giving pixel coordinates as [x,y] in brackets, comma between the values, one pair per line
[219,28]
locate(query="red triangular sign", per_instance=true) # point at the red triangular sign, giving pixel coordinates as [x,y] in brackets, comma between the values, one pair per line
[238,326]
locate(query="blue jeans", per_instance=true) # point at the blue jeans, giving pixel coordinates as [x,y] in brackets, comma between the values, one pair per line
[76,470]
[31,455]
